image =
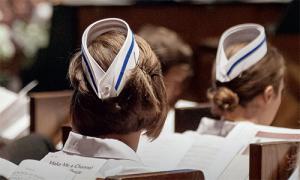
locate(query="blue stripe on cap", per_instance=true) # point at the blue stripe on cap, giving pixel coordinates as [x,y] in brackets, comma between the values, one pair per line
[89,69]
[245,56]
[125,63]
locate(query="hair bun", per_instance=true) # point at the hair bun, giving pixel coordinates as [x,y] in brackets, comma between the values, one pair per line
[225,99]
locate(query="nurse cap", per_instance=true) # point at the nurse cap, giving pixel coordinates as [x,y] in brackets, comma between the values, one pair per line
[229,68]
[107,84]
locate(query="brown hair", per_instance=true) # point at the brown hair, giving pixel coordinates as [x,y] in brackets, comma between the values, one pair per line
[141,104]
[167,45]
[250,83]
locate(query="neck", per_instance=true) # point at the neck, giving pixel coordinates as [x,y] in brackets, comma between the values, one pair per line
[236,115]
[242,114]
[130,139]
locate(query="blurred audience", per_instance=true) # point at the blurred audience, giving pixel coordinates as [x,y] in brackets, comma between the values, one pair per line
[175,56]
[23,31]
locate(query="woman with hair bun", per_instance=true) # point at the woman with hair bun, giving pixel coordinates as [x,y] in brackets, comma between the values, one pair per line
[118,94]
[248,80]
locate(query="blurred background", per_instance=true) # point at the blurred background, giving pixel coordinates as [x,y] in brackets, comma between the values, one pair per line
[38,37]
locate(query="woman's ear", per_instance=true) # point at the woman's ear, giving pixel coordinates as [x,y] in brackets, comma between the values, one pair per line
[268,94]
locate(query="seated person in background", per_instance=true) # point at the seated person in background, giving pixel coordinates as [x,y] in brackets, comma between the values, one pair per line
[175,57]
[118,93]
[247,80]
[33,146]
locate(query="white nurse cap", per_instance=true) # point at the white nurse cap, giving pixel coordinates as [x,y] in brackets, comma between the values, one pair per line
[254,51]
[109,83]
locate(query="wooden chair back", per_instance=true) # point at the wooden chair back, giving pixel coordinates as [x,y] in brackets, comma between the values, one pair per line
[48,112]
[273,160]
[164,175]
[189,118]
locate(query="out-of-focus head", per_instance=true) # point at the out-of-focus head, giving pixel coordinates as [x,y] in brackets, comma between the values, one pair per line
[118,83]
[248,76]
[22,9]
[175,56]
[6,13]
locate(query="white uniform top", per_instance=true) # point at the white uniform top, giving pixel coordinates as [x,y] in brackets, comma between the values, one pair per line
[215,127]
[96,157]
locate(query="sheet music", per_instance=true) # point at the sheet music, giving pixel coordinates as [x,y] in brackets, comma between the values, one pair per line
[237,169]
[202,153]
[193,151]
[248,133]
[218,157]
[159,153]
[227,151]
[243,132]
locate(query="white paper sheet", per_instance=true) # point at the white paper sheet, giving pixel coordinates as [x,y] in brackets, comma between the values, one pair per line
[190,151]
[246,133]
[202,152]
[83,166]
[36,170]
[166,152]
[237,169]
[296,174]
[6,167]
[6,98]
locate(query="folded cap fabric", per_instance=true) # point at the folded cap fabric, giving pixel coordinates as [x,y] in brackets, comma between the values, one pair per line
[107,84]
[256,48]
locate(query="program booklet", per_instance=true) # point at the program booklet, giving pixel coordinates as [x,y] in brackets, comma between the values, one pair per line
[217,157]
[33,170]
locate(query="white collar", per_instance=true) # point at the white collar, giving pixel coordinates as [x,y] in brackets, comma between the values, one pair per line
[99,148]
